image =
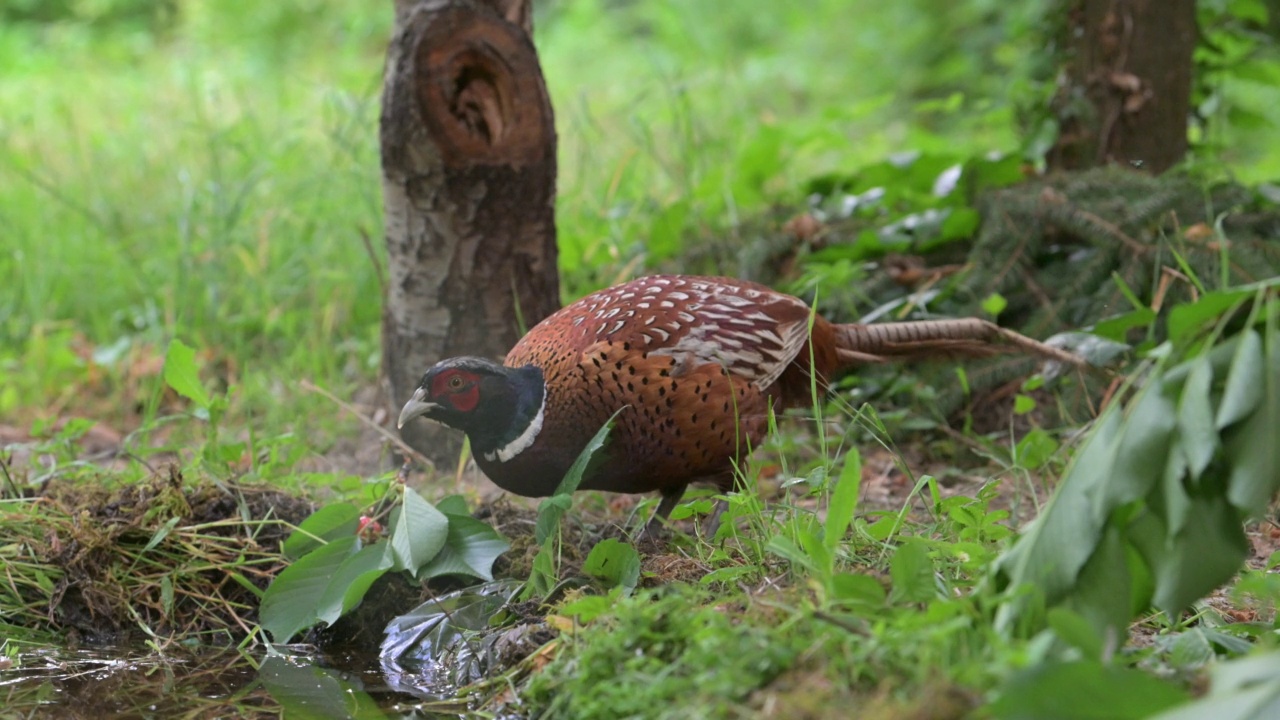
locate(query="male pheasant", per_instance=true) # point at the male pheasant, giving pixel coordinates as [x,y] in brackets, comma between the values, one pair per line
[693,363]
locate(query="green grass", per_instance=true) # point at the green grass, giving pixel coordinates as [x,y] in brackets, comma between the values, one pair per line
[184,187]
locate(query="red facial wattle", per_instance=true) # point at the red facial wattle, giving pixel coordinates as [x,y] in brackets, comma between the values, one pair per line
[465,400]
[458,388]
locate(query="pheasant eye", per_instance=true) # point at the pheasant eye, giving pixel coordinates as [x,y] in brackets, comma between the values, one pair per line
[455,382]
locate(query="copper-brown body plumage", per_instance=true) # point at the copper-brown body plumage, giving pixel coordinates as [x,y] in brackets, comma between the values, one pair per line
[692,362]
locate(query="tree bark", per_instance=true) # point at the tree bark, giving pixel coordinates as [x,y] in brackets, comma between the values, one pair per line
[1126,95]
[469,169]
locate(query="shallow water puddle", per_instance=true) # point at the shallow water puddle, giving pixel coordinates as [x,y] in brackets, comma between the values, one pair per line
[130,683]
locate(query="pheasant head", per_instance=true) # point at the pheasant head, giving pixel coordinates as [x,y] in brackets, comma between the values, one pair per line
[499,408]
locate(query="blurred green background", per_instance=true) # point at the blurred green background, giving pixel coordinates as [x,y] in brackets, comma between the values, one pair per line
[207,169]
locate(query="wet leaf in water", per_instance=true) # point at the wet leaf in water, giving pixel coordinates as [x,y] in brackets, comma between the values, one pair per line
[305,690]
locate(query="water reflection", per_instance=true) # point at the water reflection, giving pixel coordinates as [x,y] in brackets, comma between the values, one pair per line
[125,683]
[137,683]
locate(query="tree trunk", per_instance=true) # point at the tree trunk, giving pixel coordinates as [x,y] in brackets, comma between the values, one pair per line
[1127,89]
[469,170]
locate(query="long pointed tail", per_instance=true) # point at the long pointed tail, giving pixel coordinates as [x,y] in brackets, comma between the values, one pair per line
[937,340]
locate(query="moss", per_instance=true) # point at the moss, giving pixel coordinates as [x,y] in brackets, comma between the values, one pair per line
[661,654]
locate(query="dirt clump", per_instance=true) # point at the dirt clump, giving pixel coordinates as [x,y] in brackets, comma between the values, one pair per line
[112,562]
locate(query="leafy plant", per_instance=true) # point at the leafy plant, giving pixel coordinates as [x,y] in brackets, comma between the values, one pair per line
[545,573]
[1240,689]
[304,689]
[182,374]
[1053,690]
[1150,511]
[614,563]
[815,547]
[914,202]
[339,555]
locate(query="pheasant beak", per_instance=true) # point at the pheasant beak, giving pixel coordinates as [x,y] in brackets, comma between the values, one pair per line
[415,407]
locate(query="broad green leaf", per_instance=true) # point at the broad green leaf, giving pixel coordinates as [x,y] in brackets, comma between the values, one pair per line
[1244,672]
[881,529]
[685,510]
[856,589]
[587,607]
[988,172]
[181,374]
[912,573]
[1059,542]
[1103,594]
[453,505]
[328,523]
[293,598]
[844,499]
[306,690]
[578,469]
[1241,395]
[1084,690]
[351,580]
[1252,445]
[418,531]
[1231,644]
[553,508]
[1197,436]
[542,576]
[1075,630]
[1172,493]
[728,574]
[785,548]
[1253,703]
[549,513]
[811,544]
[1023,404]
[1261,70]
[1189,318]
[1190,650]
[815,478]
[1144,450]
[1035,449]
[1241,117]
[1243,689]
[1116,328]
[1147,534]
[1206,552]
[615,562]
[994,304]
[471,549]
[1220,357]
